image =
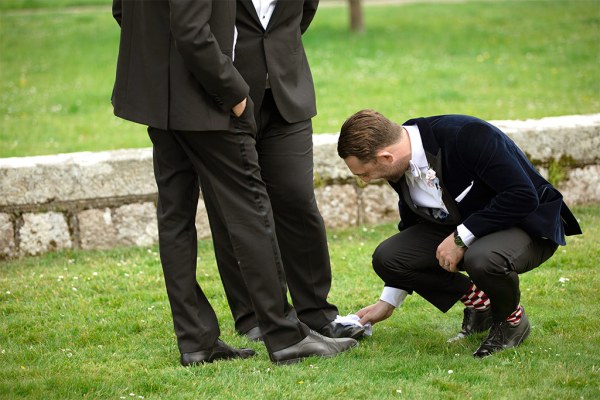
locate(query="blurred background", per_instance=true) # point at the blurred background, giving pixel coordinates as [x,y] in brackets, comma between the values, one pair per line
[494,59]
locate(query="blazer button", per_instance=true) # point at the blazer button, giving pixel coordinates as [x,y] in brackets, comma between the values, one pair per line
[266,35]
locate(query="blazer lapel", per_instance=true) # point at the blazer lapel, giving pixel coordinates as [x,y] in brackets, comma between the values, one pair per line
[276,12]
[252,10]
[405,193]
[421,212]
[436,163]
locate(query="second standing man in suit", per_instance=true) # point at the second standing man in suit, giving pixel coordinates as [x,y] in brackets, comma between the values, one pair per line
[271,59]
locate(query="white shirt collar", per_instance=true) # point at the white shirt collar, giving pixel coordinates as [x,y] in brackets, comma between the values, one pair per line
[419,160]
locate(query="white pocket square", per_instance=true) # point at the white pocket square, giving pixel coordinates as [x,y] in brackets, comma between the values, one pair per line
[464,192]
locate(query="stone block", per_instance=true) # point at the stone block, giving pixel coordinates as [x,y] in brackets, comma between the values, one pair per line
[582,185]
[328,166]
[378,204]
[338,205]
[76,177]
[573,136]
[136,224]
[44,232]
[96,229]
[7,237]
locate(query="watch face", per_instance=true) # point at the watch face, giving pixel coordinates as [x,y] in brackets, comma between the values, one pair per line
[458,241]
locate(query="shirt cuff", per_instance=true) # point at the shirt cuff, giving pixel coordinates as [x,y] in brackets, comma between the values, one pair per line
[467,237]
[393,296]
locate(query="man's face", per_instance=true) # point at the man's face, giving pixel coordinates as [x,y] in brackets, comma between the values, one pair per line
[380,168]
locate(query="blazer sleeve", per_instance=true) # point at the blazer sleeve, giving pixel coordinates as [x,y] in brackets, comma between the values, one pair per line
[495,161]
[117,10]
[308,13]
[189,20]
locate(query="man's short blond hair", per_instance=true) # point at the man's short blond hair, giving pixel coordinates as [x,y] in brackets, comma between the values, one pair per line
[365,133]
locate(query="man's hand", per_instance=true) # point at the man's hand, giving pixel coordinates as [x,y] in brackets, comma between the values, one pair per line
[375,312]
[449,254]
[239,108]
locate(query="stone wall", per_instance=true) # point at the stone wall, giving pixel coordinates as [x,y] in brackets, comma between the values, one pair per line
[108,199]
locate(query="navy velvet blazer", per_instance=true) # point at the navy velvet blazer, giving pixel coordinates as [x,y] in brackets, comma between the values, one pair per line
[505,188]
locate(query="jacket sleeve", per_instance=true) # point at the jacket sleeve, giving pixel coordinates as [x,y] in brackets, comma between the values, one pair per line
[202,55]
[308,13]
[117,10]
[494,161]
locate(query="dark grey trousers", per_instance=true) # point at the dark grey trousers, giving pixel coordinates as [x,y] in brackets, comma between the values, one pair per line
[407,261]
[227,165]
[285,156]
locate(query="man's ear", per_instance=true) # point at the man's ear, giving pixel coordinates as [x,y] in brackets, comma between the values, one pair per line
[384,156]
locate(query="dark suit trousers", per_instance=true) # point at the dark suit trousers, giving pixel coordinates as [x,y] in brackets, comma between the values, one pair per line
[227,165]
[407,261]
[286,159]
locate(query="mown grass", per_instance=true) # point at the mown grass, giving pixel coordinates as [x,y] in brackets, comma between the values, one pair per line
[97,325]
[11,5]
[495,60]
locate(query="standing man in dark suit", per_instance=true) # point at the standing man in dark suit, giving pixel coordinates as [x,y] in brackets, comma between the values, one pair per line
[271,59]
[469,200]
[175,74]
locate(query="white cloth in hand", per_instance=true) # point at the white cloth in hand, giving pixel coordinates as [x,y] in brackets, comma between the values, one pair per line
[352,319]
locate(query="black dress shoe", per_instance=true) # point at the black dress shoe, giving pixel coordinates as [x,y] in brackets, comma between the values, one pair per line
[504,335]
[254,334]
[312,345]
[220,351]
[474,322]
[336,330]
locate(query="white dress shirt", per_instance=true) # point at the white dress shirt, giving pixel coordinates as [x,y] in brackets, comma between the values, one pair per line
[423,195]
[264,10]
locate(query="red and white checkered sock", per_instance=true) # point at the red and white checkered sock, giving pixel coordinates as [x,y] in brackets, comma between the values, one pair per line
[475,298]
[515,317]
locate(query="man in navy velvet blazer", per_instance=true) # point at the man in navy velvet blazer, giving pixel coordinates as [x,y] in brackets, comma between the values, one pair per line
[469,201]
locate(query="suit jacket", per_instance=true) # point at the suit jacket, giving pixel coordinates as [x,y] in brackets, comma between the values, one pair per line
[277,50]
[496,185]
[175,69]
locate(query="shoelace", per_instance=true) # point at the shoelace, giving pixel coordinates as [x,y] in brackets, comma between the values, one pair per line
[496,336]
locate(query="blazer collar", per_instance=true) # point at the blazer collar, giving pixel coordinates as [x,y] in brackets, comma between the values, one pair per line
[278,10]
[252,10]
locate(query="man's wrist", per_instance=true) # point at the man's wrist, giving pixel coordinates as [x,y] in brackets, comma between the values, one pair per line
[458,240]
[388,306]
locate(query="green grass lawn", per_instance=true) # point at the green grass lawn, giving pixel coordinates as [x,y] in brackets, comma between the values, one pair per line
[43,4]
[496,60]
[97,325]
